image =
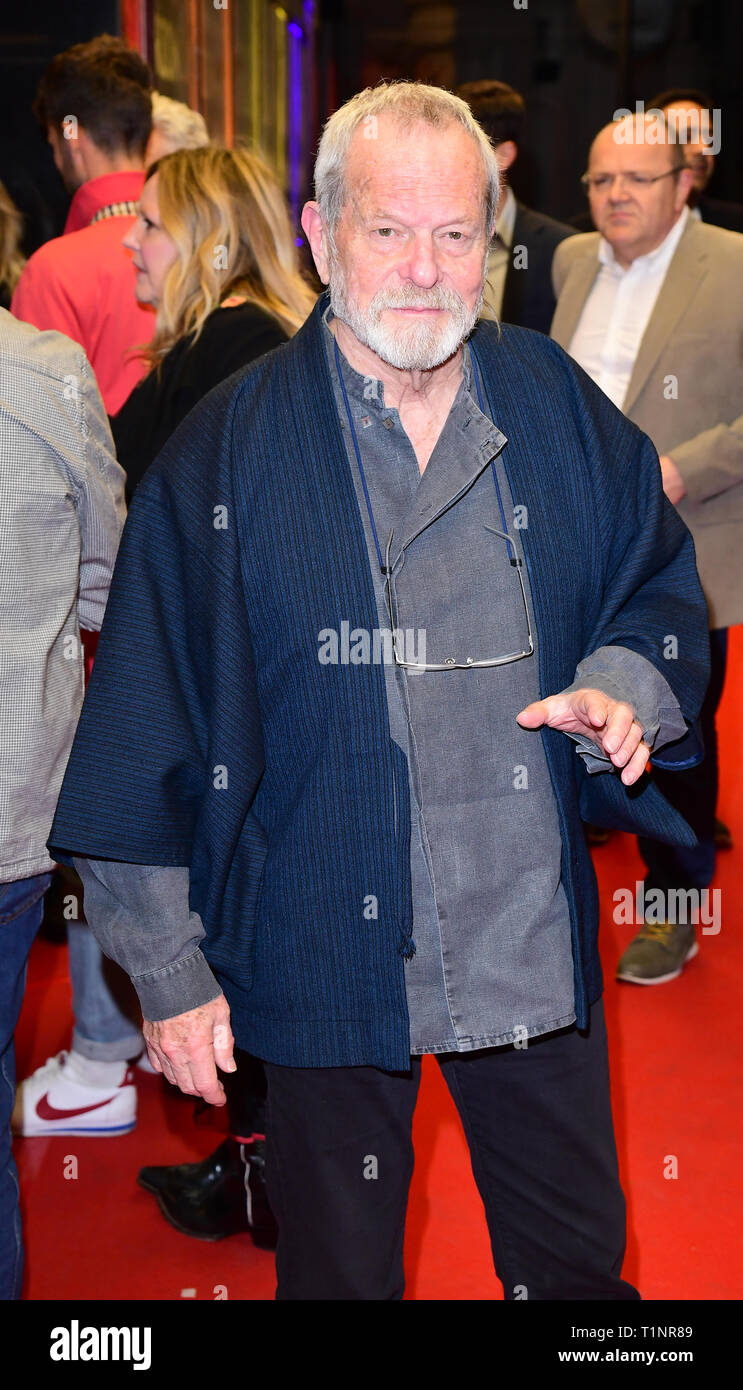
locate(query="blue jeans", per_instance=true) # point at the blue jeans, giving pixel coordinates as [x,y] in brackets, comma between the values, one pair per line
[103,1001]
[21,907]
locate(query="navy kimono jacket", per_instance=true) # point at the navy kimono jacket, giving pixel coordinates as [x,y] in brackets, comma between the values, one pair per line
[211,736]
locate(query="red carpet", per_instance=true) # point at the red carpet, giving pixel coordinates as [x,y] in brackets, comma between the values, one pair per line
[676,1084]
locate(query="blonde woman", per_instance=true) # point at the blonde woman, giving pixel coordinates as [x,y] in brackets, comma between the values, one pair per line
[12,259]
[215,256]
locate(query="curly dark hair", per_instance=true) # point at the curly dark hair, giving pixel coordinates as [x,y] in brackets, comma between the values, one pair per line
[107,86]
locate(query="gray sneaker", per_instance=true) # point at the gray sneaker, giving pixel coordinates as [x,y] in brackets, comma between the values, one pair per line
[658,953]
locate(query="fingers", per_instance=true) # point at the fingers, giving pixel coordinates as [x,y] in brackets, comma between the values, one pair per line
[223,1046]
[534,715]
[203,1076]
[597,710]
[609,723]
[188,1048]
[154,1059]
[621,734]
[636,765]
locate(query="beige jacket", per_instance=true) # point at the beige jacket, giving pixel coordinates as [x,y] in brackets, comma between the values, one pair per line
[686,389]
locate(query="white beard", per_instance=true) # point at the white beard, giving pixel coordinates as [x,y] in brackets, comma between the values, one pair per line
[411,347]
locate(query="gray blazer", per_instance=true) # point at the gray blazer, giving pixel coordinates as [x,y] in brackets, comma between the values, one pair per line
[695,336]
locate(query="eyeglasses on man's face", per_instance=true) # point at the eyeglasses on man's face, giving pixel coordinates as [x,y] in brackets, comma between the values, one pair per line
[601,183]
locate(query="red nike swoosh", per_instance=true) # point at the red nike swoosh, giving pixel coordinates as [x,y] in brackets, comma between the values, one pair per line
[45,1111]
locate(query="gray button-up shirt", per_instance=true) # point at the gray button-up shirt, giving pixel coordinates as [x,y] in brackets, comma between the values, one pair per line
[493,959]
[490,917]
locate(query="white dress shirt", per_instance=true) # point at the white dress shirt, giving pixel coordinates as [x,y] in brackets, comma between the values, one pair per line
[617,310]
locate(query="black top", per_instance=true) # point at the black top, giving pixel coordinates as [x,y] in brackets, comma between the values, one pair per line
[229,340]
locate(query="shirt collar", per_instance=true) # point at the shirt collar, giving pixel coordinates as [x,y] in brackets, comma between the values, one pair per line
[506,219]
[97,193]
[659,259]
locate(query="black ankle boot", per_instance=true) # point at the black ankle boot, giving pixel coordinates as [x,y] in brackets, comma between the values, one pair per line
[223,1195]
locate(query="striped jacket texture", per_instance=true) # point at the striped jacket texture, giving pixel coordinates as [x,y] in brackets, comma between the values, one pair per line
[212,737]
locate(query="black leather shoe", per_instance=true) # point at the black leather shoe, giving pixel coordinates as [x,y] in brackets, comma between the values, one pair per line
[223,1195]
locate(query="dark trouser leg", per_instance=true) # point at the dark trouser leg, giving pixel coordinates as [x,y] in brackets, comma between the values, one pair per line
[539,1127]
[693,793]
[339,1159]
[246,1096]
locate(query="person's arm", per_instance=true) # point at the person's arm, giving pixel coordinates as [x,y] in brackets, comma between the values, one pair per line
[711,462]
[140,917]
[631,679]
[651,602]
[98,482]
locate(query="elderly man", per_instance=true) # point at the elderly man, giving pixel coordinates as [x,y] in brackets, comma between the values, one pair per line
[353,588]
[651,307]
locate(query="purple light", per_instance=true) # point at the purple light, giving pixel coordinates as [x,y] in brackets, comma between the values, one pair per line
[295,45]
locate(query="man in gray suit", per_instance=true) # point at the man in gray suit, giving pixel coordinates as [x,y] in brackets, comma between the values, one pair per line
[651,305]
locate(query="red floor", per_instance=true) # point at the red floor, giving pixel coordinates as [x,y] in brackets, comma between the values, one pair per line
[676,1065]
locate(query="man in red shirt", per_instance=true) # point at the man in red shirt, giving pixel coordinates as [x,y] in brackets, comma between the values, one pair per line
[94,101]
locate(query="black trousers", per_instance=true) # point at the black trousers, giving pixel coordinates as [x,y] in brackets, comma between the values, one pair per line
[693,793]
[339,1160]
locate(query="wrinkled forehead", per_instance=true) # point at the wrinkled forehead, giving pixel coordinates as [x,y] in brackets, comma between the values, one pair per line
[393,162]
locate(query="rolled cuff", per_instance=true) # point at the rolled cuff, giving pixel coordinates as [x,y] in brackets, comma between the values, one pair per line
[625,675]
[176,988]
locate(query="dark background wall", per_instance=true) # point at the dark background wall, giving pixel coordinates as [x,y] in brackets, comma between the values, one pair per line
[575,61]
[565,57]
[30,35]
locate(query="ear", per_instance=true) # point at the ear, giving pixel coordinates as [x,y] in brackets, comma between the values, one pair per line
[505,154]
[684,186]
[314,230]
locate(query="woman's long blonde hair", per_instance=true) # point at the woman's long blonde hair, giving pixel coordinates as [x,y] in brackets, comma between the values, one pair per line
[226,213]
[12,259]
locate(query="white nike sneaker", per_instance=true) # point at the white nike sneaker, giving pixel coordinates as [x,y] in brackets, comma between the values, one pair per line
[60,1098]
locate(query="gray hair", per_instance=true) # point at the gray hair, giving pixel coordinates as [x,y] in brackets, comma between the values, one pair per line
[185,128]
[410,103]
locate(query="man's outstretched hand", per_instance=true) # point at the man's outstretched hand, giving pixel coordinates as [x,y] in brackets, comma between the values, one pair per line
[610,724]
[188,1048]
